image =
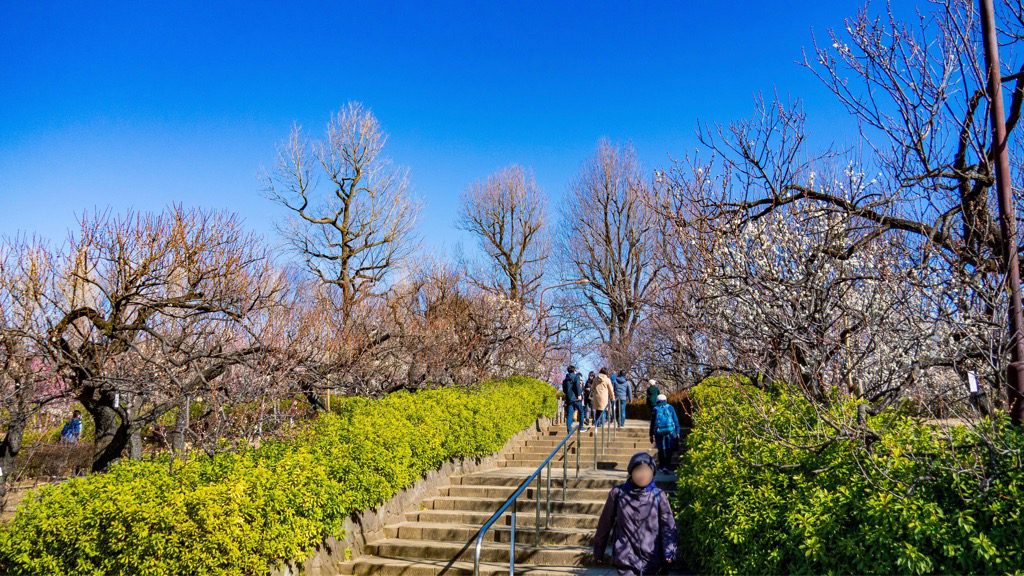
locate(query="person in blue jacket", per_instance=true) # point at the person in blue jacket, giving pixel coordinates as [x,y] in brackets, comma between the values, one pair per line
[572,388]
[664,432]
[72,430]
[623,395]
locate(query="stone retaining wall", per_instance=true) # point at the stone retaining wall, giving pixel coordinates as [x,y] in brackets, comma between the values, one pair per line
[368,526]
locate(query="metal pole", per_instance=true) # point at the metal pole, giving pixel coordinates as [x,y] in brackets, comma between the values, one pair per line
[512,542]
[1007,214]
[476,559]
[579,448]
[565,464]
[618,419]
[604,438]
[536,533]
[595,448]
[547,518]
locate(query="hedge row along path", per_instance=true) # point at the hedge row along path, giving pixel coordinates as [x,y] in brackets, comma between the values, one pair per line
[438,536]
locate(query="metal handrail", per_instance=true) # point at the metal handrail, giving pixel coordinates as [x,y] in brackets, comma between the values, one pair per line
[511,501]
[611,422]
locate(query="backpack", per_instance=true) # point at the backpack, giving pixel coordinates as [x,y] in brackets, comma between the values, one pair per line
[663,423]
[68,432]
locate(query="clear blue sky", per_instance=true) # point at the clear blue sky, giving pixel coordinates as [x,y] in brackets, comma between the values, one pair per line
[142,104]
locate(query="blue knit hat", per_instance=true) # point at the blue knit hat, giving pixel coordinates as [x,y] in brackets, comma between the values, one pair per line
[641,458]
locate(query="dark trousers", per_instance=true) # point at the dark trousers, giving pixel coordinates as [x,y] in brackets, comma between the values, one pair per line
[576,406]
[667,445]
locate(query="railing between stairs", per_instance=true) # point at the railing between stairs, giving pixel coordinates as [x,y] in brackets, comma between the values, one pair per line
[608,431]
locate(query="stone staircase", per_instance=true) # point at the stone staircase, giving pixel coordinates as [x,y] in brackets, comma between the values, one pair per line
[439,538]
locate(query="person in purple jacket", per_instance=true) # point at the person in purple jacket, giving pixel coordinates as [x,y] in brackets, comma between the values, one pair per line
[644,538]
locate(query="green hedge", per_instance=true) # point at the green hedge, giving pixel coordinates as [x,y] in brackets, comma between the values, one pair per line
[747,505]
[238,513]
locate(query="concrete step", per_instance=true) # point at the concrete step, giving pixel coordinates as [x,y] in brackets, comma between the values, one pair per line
[489,552]
[584,522]
[608,451]
[530,493]
[522,507]
[588,444]
[549,445]
[603,462]
[621,434]
[510,477]
[373,566]
[454,532]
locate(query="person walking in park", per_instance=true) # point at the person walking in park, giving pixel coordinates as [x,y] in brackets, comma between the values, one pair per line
[639,519]
[72,430]
[623,395]
[664,432]
[652,394]
[604,394]
[588,398]
[572,389]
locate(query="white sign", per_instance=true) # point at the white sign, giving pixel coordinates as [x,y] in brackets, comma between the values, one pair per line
[972,382]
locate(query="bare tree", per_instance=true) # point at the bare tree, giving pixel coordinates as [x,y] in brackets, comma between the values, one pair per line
[916,90]
[455,332]
[350,210]
[607,237]
[506,213]
[28,381]
[350,221]
[146,309]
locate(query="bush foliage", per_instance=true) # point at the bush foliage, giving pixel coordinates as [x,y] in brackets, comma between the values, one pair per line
[241,512]
[913,499]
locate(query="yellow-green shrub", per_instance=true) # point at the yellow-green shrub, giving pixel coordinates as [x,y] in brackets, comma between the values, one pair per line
[238,513]
[747,504]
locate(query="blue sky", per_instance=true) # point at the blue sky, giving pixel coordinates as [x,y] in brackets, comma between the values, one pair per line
[138,105]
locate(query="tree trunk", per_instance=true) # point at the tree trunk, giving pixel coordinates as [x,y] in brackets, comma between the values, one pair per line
[9,449]
[181,424]
[135,442]
[314,399]
[133,404]
[112,427]
[178,435]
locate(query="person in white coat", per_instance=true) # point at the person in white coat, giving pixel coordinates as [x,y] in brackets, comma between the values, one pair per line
[604,395]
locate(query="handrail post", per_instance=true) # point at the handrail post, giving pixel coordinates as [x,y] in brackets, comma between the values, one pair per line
[579,448]
[513,501]
[565,464]
[615,417]
[547,518]
[512,542]
[595,449]
[476,555]
[536,535]
[604,438]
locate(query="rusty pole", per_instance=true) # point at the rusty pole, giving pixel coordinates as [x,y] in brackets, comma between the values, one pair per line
[1007,213]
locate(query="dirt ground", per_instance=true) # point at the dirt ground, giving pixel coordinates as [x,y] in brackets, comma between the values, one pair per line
[16,494]
[43,464]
